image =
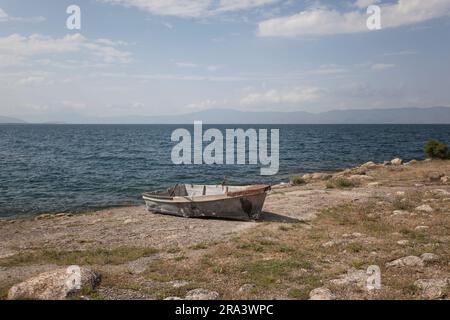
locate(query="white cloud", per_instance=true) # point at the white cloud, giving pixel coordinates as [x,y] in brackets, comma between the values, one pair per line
[178,8]
[186,65]
[324,21]
[32,80]
[211,68]
[206,104]
[137,105]
[239,5]
[382,66]
[191,8]
[278,97]
[18,48]
[401,53]
[4,17]
[364,4]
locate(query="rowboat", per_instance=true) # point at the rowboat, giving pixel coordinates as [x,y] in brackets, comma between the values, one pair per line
[209,201]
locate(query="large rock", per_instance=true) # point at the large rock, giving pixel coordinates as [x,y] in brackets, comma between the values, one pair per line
[58,284]
[320,176]
[432,288]
[202,294]
[396,161]
[409,261]
[369,165]
[352,277]
[321,294]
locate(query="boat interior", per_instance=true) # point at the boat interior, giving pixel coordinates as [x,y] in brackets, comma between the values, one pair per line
[195,190]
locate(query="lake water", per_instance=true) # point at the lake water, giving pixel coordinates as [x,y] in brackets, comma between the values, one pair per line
[60,168]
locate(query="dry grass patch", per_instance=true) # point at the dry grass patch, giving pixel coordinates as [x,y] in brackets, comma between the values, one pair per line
[83,257]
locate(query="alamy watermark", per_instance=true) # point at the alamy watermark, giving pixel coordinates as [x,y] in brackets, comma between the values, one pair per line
[374,278]
[73,281]
[229,150]
[73,22]
[374,20]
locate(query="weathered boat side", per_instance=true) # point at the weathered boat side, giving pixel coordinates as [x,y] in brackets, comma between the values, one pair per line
[241,203]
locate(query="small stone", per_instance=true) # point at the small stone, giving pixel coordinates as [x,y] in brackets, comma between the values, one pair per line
[332,243]
[403,242]
[321,294]
[432,288]
[396,162]
[409,261]
[246,288]
[369,165]
[179,283]
[373,184]
[307,176]
[352,277]
[44,216]
[400,193]
[7,254]
[429,257]
[172,298]
[352,235]
[441,192]
[317,176]
[130,221]
[425,208]
[360,177]
[421,228]
[445,179]
[400,213]
[434,176]
[202,294]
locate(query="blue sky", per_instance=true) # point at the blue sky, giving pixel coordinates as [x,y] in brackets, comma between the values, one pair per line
[154,57]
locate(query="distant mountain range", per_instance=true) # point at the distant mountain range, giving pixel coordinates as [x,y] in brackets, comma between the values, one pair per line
[434,115]
[10,120]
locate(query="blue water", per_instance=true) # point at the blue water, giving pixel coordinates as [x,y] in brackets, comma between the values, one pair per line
[60,168]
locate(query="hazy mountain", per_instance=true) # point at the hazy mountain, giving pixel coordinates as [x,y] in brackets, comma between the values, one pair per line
[435,115]
[10,120]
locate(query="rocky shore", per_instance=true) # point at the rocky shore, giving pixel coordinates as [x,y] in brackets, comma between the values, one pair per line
[319,236]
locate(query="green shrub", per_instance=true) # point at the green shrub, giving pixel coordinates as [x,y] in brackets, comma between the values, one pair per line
[342,182]
[297,180]
[437,150]
[330,185]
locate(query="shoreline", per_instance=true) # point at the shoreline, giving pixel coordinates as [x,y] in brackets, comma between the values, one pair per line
[311,234]
[284,178]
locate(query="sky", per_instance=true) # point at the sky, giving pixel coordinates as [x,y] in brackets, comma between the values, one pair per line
[159,57]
